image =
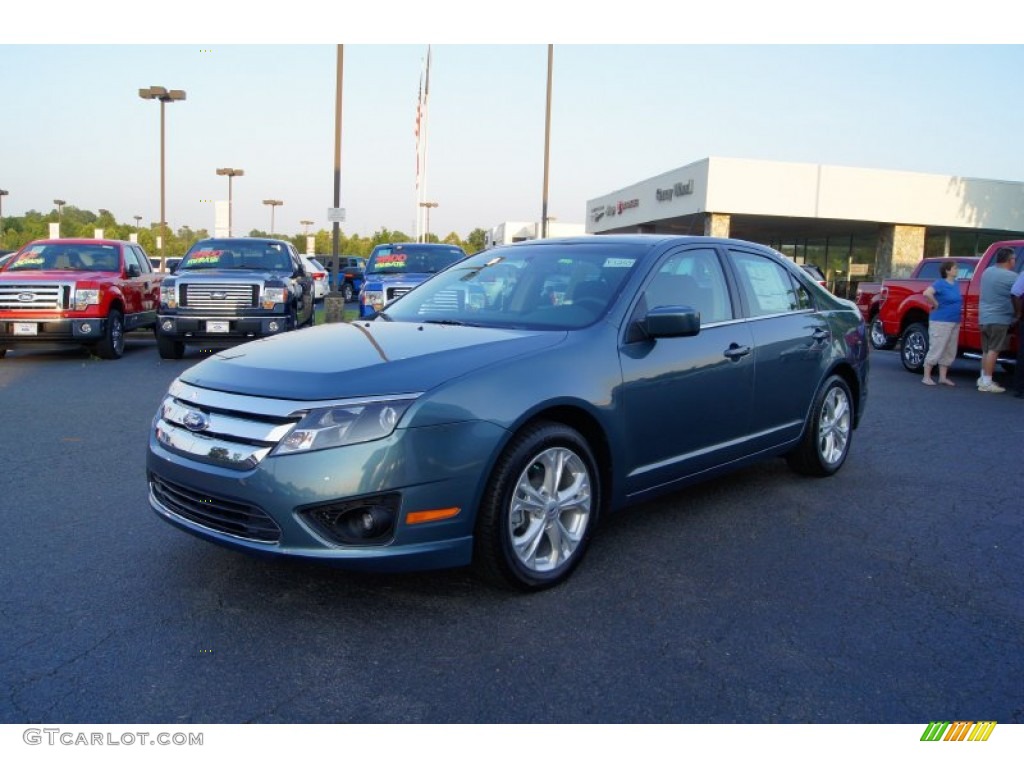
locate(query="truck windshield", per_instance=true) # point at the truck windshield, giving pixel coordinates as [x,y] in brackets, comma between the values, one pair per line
[69,257]
[412,257]
[237,255]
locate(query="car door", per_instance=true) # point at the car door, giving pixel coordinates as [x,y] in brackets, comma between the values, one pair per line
[792,344]
[150,284]
[687,400]
[132,281]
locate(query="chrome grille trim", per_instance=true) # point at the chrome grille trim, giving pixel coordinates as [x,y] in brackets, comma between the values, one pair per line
[233,431]
[202,295]
[48,295]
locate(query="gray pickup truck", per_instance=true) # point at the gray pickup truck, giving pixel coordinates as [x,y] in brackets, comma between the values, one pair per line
[227,290]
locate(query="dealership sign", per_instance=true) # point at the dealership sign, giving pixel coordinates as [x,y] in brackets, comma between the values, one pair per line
[676,190]
[600,211]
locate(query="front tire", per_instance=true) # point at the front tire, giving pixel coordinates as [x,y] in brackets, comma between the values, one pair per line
[826,441]
[169,348]
[914,347]
[111,346]
[539,509]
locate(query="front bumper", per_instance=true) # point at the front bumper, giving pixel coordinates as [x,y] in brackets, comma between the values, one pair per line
[198,327]
[267,510]
[27,331]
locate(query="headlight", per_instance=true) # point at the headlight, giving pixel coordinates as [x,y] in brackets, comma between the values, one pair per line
[169,295]
[373,299]
[272,296]
[343,425]
[86,296]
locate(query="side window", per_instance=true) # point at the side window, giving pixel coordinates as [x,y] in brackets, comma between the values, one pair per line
[131,259]
[143,259]
[768,287]
[692,278]
[929,270]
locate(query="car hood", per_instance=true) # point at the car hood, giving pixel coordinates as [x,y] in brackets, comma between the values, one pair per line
[359,359]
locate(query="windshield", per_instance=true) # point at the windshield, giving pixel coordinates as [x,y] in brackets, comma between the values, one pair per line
[237,254]
[68,256]
[412,257]
[543,287]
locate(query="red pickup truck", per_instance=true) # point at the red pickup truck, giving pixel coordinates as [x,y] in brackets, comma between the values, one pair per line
[903,313]
[87,292]
[869,295]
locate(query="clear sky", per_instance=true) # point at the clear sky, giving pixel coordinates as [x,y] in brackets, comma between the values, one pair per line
[671,93]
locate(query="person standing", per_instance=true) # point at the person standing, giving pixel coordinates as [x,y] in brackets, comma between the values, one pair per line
[1017,297]
[995,314]
[943,323]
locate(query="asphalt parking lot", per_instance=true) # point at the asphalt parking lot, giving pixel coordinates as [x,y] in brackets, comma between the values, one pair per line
[890,593]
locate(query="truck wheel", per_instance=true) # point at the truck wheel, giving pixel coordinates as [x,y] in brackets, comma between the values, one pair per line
[111,346]
[3,351]
[914,347]
[826,440]
[879,339]
[169,348]
[348,293]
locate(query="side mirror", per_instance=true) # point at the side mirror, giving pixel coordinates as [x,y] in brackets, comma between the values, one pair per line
[134,271]
[671,321]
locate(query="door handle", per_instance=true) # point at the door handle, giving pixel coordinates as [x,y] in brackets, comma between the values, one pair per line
[735,352]
[821,334]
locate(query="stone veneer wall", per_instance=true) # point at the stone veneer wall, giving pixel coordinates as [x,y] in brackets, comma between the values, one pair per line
[716,224]
[899,249]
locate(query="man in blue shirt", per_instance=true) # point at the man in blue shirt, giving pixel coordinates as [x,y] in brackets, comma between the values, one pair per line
[995,314]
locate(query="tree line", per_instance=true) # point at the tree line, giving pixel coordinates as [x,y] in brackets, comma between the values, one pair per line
[16,231]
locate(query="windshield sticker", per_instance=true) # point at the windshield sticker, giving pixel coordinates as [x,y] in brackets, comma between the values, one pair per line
[204,257]
[619,263]
[31,261]
[395,260]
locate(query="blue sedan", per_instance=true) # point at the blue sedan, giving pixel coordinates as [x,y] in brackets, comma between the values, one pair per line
[493,415]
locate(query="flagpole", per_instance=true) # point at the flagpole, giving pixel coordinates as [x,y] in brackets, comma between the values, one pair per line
[426,132]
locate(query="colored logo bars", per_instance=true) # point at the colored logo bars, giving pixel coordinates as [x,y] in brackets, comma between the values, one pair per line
[961,730]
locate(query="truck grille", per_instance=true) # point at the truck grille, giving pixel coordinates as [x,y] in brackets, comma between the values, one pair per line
[224,515]
[394,293]
[52,296]
[214,296]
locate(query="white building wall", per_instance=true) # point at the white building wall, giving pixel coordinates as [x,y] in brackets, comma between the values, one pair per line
[806,190]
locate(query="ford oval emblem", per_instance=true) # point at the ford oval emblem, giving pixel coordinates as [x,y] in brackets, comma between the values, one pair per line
[220,295]
[26,297]
[196,421]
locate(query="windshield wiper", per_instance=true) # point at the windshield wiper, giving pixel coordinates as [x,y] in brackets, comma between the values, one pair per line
[447,321]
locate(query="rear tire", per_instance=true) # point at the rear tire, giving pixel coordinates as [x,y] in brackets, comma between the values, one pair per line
[879,339]
[348,293]
[826,441]
[914,347]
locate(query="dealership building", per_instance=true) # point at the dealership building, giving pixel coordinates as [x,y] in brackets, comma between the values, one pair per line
[855,223]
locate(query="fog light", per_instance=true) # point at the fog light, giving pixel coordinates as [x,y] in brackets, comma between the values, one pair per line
[167,325]
[86,327]
[360,521]
[273,326]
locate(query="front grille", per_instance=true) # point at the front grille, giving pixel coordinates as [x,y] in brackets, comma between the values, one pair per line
[222,296]
[52,296]
[394,293]
[231,517]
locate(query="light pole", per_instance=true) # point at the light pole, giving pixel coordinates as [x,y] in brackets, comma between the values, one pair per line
[306,223]
[3,193]
[428,206]
[60,210]
[273,204]
[230,173]
[137,220]
[163,96]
